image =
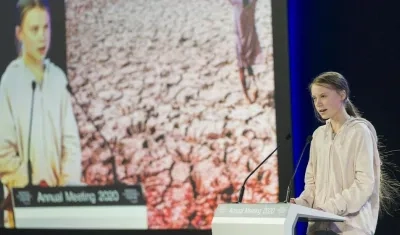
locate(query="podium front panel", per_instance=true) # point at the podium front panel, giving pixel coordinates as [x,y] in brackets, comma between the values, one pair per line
[244,219]
[91,207]
[263,218]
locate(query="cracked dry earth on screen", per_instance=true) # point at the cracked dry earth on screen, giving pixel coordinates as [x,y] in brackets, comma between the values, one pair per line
[159,80]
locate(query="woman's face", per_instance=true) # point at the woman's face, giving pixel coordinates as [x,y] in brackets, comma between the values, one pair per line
[34,33]
[327,101]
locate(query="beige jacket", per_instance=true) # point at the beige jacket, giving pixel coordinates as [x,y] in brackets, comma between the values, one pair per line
[343,177]
[55,144]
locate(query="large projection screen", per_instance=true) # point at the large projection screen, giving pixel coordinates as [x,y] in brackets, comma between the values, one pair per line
[156,88]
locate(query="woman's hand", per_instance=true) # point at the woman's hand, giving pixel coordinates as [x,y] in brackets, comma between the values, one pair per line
[292,201]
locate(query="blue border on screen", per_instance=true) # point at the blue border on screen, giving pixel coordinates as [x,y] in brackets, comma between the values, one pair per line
[294,34]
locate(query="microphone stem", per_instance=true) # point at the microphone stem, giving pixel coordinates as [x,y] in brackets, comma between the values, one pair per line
[245,181]
[241,193]
[288,191]
[287,194]
[30,136]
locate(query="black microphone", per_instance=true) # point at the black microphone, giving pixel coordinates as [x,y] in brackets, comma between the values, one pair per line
[259,165]
[30,134]
[114,167]
[309,139]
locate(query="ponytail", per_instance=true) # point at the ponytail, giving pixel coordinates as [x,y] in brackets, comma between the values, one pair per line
[389,185]
[351,109]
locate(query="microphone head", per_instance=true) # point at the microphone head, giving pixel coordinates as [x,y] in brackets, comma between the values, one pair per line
[33,85]
[309,138]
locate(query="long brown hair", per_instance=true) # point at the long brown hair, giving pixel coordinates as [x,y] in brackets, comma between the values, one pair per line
[23,6]
[389,185]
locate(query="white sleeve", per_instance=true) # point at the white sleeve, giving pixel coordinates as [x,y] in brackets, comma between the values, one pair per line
[10,160]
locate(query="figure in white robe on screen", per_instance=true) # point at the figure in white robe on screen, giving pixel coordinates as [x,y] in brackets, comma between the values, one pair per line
[55,152]
[248,49]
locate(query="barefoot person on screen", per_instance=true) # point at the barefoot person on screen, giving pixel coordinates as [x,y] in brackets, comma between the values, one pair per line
[55,146]
[248,49]
[343,175]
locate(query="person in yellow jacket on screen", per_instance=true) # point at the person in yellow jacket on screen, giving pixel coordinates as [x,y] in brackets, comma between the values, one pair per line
[55,151]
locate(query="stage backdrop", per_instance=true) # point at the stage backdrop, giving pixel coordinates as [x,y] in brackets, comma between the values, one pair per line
[156,90]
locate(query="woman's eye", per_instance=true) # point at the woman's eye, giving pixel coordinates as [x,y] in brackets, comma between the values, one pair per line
[35,29]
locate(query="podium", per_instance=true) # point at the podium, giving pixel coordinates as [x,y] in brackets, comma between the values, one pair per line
[80,207]
[264,218]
